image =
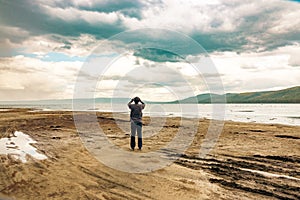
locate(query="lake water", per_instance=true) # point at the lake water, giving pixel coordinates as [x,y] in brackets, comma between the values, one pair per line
[261,113]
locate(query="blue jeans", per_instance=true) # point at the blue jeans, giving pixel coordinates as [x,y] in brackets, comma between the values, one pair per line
[136,127]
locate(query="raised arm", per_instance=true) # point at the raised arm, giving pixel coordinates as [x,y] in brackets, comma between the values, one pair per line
[143,104]
[130,102]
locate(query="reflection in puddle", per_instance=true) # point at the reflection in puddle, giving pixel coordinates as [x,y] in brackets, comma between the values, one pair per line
[19,146]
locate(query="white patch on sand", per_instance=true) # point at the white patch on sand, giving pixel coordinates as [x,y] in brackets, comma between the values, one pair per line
[19,146]
[4,109]
[268,174]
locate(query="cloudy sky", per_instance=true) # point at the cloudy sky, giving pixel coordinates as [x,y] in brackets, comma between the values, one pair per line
[102,48]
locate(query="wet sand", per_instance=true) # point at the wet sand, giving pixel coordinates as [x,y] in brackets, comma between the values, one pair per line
[249,161]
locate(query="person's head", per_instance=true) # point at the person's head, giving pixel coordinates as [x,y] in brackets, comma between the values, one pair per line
[136,100]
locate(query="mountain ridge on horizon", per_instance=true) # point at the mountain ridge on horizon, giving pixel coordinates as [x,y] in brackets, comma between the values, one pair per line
[288,95]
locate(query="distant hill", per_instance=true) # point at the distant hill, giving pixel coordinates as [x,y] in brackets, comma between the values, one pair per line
[290,95]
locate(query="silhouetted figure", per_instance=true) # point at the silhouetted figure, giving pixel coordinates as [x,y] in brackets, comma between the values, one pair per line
[136,121]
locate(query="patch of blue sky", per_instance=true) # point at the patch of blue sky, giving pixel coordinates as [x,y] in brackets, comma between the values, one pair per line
[50,57]
[60,57]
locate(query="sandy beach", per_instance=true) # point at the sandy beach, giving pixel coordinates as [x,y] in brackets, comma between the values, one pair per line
[249,161]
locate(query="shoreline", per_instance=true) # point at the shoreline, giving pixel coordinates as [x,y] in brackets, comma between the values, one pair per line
[249,161]
[169,115]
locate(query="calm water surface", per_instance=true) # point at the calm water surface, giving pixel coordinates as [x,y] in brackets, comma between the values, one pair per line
[260,113]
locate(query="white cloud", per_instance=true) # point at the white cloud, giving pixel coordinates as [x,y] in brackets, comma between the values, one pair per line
[293,52]
[81,46]
[150,80]
[257,71]
[30,78]
[286,20]
[24,78]
[208,16]
[74,14]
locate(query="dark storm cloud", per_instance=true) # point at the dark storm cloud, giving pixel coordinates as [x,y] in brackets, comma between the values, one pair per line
[238,41]
[220,41]
[254,26]
[159,45]
[30,16]
[158,55]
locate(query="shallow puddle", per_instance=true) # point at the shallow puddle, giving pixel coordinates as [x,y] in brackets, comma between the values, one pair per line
[19,146]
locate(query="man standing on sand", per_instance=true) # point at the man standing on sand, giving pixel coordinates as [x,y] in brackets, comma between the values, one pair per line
[136,121]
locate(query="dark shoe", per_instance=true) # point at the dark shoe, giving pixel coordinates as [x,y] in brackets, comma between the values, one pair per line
[132,142]
[140,148]
[140,143]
